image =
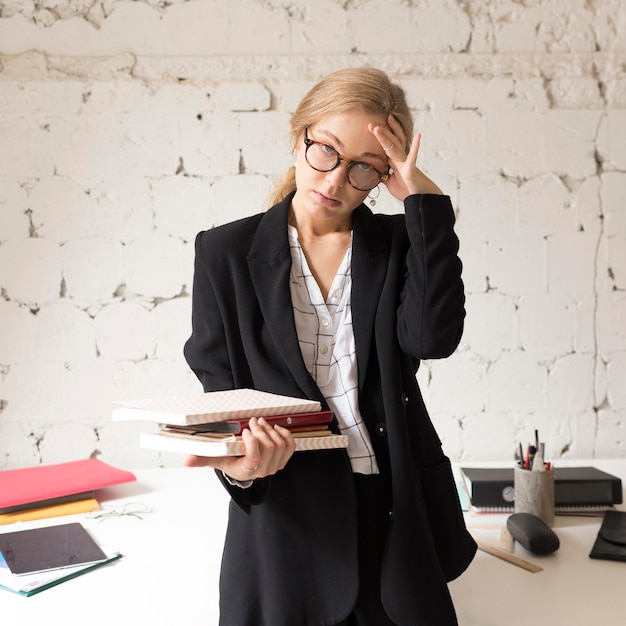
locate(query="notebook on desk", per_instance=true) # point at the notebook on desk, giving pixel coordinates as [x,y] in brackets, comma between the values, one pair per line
[37,550]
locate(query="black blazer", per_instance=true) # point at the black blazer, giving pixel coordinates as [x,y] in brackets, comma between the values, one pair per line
[290,555]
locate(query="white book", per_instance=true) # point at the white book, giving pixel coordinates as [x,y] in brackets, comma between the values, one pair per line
[214,406]
[229,445]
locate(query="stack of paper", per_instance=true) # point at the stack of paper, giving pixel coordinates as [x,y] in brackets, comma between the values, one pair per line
[210,424]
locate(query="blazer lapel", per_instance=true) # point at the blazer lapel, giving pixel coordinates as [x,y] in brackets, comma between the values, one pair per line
[269,261]
[370,256]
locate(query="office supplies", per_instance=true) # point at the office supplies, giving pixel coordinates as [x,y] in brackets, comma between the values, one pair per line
[538,462]
[214,406]
[491,487]
[495,534]
[530,457]
[508,557]
[610,544]
[532,533]
[535,455]
[533,492]
[46,485]
[188,503]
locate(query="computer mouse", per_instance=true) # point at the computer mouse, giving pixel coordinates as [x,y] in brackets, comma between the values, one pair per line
[533,533]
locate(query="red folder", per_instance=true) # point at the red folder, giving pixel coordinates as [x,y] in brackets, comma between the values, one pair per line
[49,484]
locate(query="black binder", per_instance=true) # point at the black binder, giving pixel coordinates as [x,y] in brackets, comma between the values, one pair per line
[573,486]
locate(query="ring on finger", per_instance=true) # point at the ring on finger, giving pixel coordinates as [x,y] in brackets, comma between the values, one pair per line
[388,147]
[248,469]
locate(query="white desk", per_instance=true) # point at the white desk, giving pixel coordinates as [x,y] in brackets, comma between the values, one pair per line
[169,572]
[572,589]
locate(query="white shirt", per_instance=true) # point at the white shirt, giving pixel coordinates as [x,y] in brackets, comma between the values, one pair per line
[326,338]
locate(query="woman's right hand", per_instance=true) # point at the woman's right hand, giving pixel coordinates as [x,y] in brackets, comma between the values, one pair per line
[268,448]
[407,178]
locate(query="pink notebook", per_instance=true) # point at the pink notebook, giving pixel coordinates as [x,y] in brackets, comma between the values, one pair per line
[47,484]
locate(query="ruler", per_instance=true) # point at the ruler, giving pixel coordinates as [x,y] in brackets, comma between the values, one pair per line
[508,557]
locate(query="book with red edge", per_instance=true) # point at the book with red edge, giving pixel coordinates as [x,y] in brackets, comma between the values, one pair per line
[290,421]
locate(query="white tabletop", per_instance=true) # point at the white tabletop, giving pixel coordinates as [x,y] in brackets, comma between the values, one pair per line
[170,568]
[572,589]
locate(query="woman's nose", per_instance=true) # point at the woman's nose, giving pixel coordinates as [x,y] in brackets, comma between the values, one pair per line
[339,175]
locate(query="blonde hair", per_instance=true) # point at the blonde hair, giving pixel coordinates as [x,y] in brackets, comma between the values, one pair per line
[361,88]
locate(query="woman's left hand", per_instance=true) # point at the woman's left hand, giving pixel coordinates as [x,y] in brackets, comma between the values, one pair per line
[406,178]
[267,451]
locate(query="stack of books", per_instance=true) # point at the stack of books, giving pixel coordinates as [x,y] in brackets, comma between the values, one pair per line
[211,424]
[577,490]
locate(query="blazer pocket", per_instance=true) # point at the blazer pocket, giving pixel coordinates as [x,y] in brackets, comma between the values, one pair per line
[454,545]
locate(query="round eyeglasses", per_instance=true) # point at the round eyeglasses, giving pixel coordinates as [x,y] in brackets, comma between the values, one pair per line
[324,158]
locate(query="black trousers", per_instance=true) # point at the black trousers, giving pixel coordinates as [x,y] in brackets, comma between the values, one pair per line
[373,516]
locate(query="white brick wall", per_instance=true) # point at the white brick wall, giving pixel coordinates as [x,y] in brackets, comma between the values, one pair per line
[126,127]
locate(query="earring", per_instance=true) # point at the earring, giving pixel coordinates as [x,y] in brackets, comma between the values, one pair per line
[295,158]
[373,199]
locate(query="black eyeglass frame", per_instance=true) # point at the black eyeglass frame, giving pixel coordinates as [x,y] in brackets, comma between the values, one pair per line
[308,142]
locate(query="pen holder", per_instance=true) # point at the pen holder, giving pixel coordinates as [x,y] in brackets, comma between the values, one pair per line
[534,493]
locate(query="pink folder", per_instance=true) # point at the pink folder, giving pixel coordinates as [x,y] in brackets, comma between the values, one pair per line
[35,486]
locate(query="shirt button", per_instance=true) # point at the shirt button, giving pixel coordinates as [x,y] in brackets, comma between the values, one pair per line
[336,294]
[324,349]
[325,322]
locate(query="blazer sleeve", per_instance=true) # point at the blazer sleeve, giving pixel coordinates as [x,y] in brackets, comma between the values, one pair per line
[432,305]
[206,350]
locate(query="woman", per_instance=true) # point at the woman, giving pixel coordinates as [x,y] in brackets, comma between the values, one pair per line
[320,298]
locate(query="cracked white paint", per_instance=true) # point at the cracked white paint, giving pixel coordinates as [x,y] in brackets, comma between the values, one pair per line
[127,127]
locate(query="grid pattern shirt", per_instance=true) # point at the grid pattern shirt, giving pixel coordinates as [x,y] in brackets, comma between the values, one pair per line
[327,344]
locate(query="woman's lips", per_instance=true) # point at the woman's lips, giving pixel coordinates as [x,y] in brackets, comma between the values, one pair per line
[326,201]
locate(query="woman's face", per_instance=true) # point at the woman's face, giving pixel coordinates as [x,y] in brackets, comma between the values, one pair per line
[329,195]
